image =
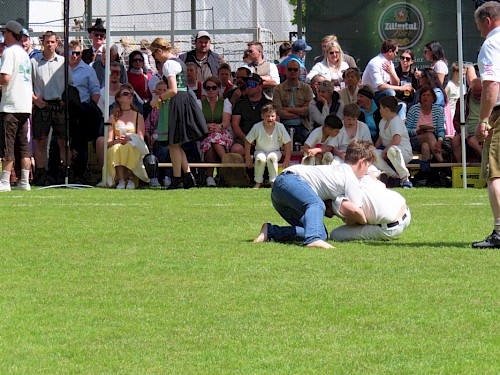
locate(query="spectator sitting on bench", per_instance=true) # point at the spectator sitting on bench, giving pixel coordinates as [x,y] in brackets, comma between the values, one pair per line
[352,129]
[393,144]
[319,145]
[217,112]
[370,113]
[425,124]
[325,103]
[472,107]
[269,137]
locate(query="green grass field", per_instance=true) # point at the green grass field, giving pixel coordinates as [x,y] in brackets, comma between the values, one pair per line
[168,282]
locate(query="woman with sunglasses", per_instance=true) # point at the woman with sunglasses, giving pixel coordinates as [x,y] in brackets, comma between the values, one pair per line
[183,121]
[406,73]
[332,66]
[126,146]
[217,112]
[137,76]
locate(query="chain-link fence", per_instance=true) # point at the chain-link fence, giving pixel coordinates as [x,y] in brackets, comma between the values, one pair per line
[232,24]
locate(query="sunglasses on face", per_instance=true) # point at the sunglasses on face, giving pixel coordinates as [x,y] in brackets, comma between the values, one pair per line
[252,84]
[126,94]
[137,60]
[404,58]
[75,53]
[99,35]
[334,53]
[210,88]
[293,69]
[115,72]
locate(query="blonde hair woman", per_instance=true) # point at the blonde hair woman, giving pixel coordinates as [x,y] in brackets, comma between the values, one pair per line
[184,122]
[126,141]
[332,66]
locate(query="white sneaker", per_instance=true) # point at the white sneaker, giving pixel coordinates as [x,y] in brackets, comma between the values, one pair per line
[167,181]
[121,185]
[130,185]
[21,185]
[4,186]
[211,182]
[154,182]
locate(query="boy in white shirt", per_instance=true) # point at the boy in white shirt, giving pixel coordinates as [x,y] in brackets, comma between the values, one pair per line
[269,136]
[393,144]
[352,129]
[318,146]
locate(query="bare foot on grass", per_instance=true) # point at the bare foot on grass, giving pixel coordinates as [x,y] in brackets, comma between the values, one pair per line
[257,185]
[262,237]
[321,244]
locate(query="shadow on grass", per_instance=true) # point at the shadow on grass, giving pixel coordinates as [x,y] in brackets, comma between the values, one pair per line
[417,244]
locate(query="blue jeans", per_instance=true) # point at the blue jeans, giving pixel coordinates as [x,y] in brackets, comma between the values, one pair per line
[301,207]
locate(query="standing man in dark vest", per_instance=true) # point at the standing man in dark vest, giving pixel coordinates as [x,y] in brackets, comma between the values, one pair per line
[208,62]
[97,34]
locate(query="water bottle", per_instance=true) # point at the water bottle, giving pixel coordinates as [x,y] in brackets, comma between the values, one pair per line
[292,133]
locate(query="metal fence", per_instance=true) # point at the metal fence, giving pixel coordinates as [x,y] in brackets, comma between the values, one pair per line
[232,23]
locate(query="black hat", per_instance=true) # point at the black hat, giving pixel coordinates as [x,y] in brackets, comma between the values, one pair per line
[254,77]
[97,27]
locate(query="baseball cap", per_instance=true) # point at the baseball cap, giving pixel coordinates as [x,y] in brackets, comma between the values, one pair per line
[300,45]
[254,77]
[202,34]
[13,26]
[25,32]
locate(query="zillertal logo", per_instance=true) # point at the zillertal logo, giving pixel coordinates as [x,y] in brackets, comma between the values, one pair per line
[402,22]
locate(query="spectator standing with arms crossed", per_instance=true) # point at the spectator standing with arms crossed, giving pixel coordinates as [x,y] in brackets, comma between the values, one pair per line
[487,18]
[15,107]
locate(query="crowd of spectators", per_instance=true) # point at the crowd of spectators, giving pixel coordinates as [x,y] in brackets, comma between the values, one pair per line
[322,108]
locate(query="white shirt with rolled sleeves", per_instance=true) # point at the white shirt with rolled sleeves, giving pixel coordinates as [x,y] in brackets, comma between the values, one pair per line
[330,182]
[374,74]
[381,206]
[315,138]
[488,58]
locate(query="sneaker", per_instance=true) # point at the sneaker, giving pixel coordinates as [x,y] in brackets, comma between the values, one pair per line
[130,185]
[406,184]
[490,242]
[121,185]
[211,182]
[154,183]
[100,184]
[167,181]
[4,186]
[21,185]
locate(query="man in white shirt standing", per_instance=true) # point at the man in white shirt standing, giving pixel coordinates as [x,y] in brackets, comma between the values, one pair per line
[15,107]
[487,18]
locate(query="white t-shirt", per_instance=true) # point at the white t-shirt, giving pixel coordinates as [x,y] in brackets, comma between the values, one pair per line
[17,93]
[329,181]
[489,57]
[265,142]
[316,136]
[374,73]
[396,126]
[342,140]
[440,67]
[379,204]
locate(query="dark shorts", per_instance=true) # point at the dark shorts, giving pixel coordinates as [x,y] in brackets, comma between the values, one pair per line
[415,143]
[51,116]
[14,130]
